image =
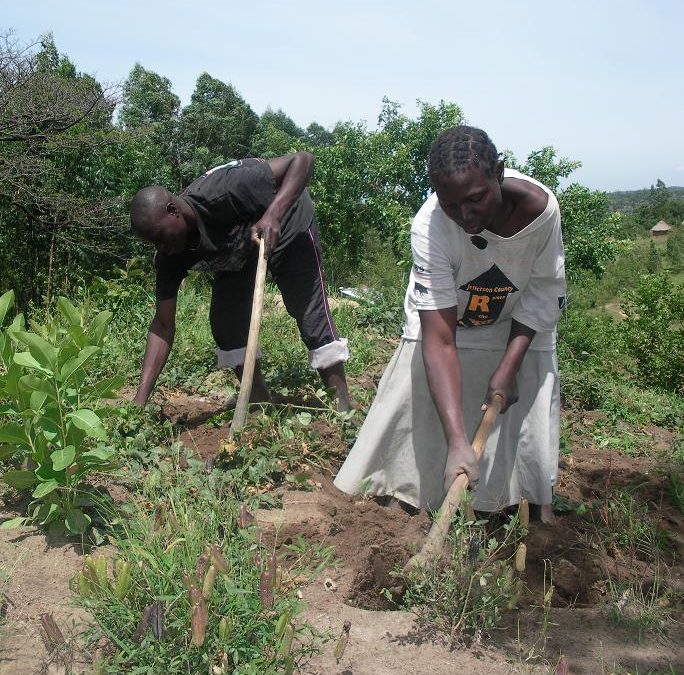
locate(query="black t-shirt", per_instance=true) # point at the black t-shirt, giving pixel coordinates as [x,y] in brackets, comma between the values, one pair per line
[227,201]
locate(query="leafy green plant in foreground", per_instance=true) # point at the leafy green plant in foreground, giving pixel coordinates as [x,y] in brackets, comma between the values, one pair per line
[192,589]
[53,429]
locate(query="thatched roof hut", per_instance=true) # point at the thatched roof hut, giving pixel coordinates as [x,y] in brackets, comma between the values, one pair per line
[660,228]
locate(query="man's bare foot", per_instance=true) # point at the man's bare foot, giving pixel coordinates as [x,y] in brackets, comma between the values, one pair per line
[334,378]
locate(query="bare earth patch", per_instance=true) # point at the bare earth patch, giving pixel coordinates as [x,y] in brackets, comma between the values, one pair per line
[38,571]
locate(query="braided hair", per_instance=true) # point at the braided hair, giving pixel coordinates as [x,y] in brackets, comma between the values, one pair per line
[456,149]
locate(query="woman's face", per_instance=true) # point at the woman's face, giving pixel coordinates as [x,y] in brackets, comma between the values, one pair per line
[471,199]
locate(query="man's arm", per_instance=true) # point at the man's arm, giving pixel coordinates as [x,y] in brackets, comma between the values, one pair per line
[443,371]
[292,174]
[159,342]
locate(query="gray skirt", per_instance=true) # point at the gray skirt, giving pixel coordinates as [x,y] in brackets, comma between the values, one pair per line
[401,449]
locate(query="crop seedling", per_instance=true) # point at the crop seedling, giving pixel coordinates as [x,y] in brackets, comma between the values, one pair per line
[53,430]
[192,590]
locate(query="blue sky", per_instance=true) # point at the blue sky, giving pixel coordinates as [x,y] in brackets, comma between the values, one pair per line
[601,81]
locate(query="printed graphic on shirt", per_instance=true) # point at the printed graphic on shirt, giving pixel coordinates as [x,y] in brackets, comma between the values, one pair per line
[420,290]
[488,294]
[230,165]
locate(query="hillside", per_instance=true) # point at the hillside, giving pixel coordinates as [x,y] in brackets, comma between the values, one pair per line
[626,200]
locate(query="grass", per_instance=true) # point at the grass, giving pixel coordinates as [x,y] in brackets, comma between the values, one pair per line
[177,517]
[638,599]
[468,592]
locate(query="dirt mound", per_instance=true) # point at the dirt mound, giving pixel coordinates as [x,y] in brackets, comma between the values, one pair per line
[370,540]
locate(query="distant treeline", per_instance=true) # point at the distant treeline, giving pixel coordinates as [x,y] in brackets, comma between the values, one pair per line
[627,200]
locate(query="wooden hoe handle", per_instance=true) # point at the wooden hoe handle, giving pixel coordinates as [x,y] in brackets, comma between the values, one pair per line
[252,343]
[435,539]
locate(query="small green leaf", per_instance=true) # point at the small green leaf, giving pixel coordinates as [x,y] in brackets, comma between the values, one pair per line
[68,311]
[101,452]
[12,523]
[76,521]
[7,450]
[13,433]
[18,323]
[50,424]
[46,472]
[45,488]
[21,480]
[304,418]
[25,359]
[63,457]
[6,303]
[71,366]
[86,420]
[40,349]
[98,326]
[78,336]
[43,513]
[36,383]
[105,388]
[37,400]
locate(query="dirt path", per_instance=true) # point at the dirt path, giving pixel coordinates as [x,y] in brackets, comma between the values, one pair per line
[35,580]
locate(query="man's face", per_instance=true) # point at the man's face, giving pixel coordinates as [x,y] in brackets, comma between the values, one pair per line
[471,199]
[170,235]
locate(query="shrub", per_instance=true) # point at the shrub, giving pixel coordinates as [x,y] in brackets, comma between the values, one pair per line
[477,581]
[53,414]
[653,332]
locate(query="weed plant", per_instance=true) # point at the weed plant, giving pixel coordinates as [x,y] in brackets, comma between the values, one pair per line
[183,532]
[141,435]
[627,524]
[468,592]
[638,598]
[639,608]
[284,446]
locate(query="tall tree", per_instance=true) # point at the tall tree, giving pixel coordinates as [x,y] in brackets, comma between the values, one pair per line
[275,135]
[147,100]
[150,110]
[216,126]
[317,136]
[374,181]
[63,171]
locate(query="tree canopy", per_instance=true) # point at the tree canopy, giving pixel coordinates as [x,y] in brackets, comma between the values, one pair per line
[68,169]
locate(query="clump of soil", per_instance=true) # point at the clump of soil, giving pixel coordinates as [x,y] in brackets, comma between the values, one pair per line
[370,540]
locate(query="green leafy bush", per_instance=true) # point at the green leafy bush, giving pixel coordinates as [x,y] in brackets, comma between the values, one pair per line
[653,332]
[53,426]
[675,249]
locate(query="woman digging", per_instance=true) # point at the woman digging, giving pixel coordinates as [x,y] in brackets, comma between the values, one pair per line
[485,292]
